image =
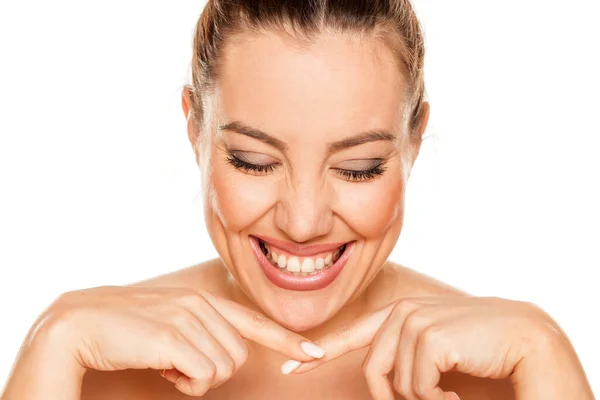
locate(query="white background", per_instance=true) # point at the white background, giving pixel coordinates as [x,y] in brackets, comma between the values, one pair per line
[98,183]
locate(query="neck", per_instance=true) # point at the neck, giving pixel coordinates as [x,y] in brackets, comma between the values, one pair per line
[367,300]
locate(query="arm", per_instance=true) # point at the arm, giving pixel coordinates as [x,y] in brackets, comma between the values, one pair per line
[164,329]
[45,367]
[419,339]
[551,371]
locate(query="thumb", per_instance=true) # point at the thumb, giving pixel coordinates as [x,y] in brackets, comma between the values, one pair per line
[451,396]
[357,335]
[255,326]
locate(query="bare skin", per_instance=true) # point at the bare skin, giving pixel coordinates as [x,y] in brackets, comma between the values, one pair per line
[341,378]
[311,180]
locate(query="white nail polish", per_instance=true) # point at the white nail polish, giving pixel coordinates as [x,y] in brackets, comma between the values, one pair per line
[312,349]
[289,366]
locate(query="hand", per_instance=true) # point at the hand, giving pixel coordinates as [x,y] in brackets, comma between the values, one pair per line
[195,338]
[421,338]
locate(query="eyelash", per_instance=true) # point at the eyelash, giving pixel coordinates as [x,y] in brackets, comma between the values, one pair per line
[349,175]
[243,165]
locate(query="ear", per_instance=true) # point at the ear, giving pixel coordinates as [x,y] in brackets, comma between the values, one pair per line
[186,105]
[420,130]
[424,119]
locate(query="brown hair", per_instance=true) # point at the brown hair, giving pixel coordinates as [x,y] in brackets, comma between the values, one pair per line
[392,21]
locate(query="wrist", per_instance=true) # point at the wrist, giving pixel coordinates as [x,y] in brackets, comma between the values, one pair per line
[550,368]
[45,366]
[54,338]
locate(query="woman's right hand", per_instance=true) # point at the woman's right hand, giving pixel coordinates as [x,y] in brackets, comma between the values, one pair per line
[195,338]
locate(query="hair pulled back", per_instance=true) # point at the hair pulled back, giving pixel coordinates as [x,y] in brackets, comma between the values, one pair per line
[392,21]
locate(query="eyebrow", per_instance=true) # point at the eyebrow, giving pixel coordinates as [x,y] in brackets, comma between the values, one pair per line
[355,140]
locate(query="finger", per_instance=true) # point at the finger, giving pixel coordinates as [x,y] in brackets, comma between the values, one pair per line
[197,334]
[224,333]
[171,374]
[197,369]
[257,327]
[348,338]
[412,325]
[431,360]
[379,361]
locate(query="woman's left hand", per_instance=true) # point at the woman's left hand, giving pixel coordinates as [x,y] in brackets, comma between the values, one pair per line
[421,338]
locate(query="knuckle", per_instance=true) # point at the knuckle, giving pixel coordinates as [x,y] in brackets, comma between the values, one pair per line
[404,305]
[260,321]
[342,333]
[421,391]
[401,387]
[208,373]
[226,367]
[181,317]
[288,338]
[190,298]
[396,384]
[430,336]
[183,386]
[368,367]
[414,322]
[240,355]
[193,387]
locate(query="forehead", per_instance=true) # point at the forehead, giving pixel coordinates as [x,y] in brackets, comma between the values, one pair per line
[337,86]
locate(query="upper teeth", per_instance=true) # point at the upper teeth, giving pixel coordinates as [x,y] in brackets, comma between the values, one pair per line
[281,261]
[297,264]
[308,265]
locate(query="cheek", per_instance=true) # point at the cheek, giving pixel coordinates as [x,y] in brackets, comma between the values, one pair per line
[372,208]
[239,199]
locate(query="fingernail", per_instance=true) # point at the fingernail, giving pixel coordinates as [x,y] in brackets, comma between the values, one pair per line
[312,349]
[289,366]
[455,396]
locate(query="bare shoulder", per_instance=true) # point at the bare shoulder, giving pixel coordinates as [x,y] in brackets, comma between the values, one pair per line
[406,282]
[209,275]
[148,384]
[396,281]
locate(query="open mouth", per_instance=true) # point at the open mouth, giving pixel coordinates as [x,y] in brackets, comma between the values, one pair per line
[301,266]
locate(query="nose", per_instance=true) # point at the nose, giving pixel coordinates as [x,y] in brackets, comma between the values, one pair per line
[305,211]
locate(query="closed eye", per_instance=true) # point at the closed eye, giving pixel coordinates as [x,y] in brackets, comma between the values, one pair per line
[250,162]
[360,170]
[353,170]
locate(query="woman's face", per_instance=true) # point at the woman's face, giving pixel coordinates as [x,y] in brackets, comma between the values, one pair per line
[307,156]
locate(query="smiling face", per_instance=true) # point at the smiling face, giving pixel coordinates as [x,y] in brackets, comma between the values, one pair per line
[306,155]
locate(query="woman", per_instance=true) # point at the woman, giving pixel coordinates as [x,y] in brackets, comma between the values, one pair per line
[305,122]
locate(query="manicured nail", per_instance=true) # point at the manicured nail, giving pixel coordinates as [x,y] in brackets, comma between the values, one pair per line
[289,366]
[456,396]
[312,349]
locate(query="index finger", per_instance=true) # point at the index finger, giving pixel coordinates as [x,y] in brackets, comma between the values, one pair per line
[254,326]
[349,338]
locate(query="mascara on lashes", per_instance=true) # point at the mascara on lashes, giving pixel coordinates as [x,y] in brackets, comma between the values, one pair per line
[236,160]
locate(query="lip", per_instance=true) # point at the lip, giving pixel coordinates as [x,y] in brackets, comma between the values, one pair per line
[287,281]
[301,250]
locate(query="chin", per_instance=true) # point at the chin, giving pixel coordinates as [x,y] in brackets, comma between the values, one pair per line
[304,299]
[300,312]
